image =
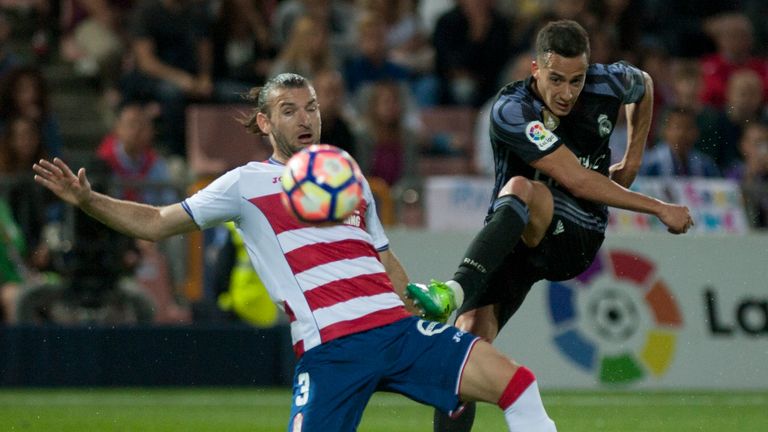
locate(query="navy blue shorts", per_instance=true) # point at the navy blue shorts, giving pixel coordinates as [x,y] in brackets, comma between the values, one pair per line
[422,360]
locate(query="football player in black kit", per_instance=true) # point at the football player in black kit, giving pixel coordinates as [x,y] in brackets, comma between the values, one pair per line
[554,183]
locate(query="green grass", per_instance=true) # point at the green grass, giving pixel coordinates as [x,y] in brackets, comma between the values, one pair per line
[256,410]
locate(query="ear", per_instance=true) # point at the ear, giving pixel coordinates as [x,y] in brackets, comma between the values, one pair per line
[262,121]
[534,69]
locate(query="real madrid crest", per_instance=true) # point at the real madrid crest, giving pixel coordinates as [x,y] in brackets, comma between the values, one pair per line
[551,121]
[604,126]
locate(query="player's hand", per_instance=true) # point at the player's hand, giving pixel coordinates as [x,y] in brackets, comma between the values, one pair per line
[677,218]
[59,179]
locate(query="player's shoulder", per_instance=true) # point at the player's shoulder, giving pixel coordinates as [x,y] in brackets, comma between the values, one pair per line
[515,104]
[252,174]
[261,166]
[597,70]
[618,80]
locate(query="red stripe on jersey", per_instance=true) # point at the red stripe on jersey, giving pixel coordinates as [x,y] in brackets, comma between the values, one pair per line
[298,348]
[365,322]
[289,312]
[277,216]
[316,254]
[347,289]
[281,220]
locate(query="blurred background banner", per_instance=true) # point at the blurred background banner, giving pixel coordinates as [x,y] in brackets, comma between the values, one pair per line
[461,202]
[653,312]
[456,202]
[716,205]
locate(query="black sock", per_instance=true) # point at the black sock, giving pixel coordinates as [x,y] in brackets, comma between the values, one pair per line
[492,244]
[463,423]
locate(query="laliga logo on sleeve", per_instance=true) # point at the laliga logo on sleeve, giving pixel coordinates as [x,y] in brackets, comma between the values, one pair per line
[617,320]
[540,135]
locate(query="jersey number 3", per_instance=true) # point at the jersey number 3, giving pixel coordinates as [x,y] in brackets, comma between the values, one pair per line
[303,391]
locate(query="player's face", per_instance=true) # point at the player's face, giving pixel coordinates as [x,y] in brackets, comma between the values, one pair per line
[293,122]
[559,81]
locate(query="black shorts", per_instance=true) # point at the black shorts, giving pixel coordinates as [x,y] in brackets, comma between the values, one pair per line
[568,248]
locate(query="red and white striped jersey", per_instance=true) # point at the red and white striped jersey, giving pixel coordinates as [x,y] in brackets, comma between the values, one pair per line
[329,280]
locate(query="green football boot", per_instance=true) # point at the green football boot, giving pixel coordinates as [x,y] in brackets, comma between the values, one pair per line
[435,300]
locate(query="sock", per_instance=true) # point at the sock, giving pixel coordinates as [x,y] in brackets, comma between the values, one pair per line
[460,422]
[492,244]
[458,291]
[522,405]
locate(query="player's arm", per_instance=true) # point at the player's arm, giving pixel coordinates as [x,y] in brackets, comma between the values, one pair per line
[395,270]
[398,276]
[128,217]
[639,116]
[564,167]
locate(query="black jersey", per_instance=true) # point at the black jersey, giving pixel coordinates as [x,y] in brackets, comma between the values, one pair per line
[523,130]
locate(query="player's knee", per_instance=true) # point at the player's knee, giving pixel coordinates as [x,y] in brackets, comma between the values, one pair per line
[482,326]
[520,187]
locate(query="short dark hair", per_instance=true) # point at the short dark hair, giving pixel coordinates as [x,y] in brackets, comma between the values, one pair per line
[566,38]
[261,95]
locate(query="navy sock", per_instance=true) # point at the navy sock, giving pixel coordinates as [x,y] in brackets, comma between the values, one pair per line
[492,244]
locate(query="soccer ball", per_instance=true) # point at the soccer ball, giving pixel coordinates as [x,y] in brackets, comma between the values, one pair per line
[321,184]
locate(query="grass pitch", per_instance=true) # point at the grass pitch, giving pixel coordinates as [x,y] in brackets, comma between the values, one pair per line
[266,410]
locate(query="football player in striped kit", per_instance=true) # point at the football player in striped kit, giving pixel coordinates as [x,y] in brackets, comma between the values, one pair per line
[340,285]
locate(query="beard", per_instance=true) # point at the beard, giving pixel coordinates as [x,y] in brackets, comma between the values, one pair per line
[283,145]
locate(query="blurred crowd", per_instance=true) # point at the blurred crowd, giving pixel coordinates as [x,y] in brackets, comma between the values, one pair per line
[381,68]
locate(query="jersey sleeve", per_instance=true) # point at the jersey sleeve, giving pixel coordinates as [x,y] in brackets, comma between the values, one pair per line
[372,222]
[620,80]
[516,126]
[217,203]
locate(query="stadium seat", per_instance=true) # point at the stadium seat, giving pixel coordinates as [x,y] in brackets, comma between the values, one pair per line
[217,142]
[384,202]
[449,134]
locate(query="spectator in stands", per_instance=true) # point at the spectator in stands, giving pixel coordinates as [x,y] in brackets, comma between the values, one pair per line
[733,36]
[472,45]
[240,293]
[675,155]
[307,50]
[370,62]
[408,45]
[24,92]
[92,37]
[744,105]
[27,255]
[618,21]
[13,269]
[337,129]
[128,152]
[336,16]
[173,63]
[20,146]
[753,146]
[387,146]
[139,173]
[242,49]
[752,172]
[519,68]
[8,57]
[686,88]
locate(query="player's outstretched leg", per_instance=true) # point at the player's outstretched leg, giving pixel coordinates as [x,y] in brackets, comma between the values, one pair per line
[437,300]
[490,376]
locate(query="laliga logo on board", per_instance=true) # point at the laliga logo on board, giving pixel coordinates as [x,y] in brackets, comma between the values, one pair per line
[617,320]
